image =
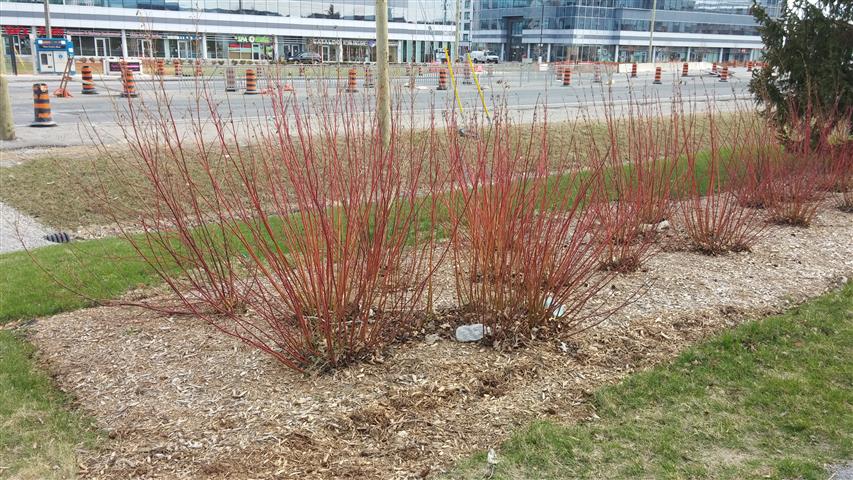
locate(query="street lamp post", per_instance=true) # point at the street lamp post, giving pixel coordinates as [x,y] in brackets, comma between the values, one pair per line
[383,88]
[652,31]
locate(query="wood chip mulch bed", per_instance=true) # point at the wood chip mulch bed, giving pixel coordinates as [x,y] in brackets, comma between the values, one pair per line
[180,400]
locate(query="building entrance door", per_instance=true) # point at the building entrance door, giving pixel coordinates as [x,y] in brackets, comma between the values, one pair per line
[101,48]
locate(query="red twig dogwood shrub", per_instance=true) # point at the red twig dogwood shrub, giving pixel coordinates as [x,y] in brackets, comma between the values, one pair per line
[300,233]
[526,251]
[633,194]
[715,220]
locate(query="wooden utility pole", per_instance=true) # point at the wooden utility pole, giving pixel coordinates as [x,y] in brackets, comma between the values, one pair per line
[7,126]
[383,88]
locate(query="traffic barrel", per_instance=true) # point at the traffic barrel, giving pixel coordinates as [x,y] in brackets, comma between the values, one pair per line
[351,81]
[724,74]
[302,70]
[684,68]
[657,76]
[41,106]
[633,70]
[714,68]
[251,83]
[161,68]
[128,83]
[596,73]
[466,75]
[442,79]
[88,82]
[197,70]
[567,76]
[749,66]
[230,79]
[179,68]
[368,78]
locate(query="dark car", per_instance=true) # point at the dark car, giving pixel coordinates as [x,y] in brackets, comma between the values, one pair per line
[306,57]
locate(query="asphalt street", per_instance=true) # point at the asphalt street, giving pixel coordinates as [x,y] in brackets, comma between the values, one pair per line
[521,90]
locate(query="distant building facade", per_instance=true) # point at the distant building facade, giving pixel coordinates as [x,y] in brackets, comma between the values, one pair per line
[338,30]
[617,30]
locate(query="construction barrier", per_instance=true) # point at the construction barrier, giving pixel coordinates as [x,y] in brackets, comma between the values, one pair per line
[351,81]
[749,66]
[633,70]
[128,84]
[466,75]
[596,73]
[88,82]
[442,79]
[230,79]
[657,76]
[41,106]
[368,78]
[197,71]
[724,74]
[714,68]
[684,69]
[251,83]
[567,76]
[161,68]
[179,68]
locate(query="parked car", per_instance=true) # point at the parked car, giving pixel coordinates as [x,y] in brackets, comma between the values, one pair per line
[305,57]
[484,56]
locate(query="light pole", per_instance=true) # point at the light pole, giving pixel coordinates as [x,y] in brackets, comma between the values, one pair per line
[652,31]
[7,126]
[383,89]
[47,30]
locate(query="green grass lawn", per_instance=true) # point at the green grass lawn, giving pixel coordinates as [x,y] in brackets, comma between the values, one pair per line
[770,399]
[39,432]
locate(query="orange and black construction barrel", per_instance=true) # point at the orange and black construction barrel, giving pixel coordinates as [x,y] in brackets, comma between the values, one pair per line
[41,106]
[749,66]
[198,72]
[179,68]
[657,76]
[351,80]
[714,68]
[724,74]
[684,69]
[88,82]
[633,70]
[442,79]
[251,83]
[127,82]
[596,73]
[567,76]
[161,68]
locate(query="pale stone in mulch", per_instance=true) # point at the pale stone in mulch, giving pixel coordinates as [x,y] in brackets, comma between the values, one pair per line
[180,400]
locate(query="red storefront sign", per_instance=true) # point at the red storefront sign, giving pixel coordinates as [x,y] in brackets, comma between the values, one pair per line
[25,31]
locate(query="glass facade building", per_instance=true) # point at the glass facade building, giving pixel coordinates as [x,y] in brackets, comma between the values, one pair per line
[617,30]
[338,30]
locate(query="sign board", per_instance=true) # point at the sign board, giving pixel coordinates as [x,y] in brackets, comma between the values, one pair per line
[52,44]
[253,39]
[115,66]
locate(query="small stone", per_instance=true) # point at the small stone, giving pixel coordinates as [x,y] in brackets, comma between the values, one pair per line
[664,225]
[431,339]
[470,333]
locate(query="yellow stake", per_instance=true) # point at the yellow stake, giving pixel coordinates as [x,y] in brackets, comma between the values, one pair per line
[453,79]
[477,82]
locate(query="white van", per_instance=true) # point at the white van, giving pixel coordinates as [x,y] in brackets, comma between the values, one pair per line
[484,56]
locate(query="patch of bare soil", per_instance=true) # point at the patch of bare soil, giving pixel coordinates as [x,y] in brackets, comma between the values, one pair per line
[180,400]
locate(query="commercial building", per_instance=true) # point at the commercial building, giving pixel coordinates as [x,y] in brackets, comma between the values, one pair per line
[618,30]
[339,30]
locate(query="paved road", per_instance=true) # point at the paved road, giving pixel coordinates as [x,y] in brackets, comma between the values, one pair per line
[522,90]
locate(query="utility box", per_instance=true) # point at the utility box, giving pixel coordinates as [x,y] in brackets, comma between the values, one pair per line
[53,54]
